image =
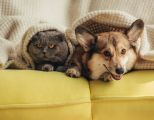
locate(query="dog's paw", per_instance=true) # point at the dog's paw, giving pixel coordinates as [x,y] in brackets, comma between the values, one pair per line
[106,77]
[72,72]
[47,67]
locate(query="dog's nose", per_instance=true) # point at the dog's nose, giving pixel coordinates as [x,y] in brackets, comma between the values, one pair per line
[119,71]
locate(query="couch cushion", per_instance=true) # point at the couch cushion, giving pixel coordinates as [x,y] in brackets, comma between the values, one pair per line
[130,98]
[43,95]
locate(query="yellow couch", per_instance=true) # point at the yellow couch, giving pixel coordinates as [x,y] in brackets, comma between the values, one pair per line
[35,95]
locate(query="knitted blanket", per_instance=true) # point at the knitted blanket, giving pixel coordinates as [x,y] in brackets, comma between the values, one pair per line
[15,34]
[109,20]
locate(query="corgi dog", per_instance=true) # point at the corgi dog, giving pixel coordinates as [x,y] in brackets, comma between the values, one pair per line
[106,55]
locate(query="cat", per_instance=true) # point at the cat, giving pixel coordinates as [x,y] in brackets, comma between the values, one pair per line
[49,50]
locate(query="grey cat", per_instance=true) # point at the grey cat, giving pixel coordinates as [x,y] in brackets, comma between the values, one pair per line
[49,50]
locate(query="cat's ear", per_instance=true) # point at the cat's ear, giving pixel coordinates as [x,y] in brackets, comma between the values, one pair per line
[41,33]
[61,37]
[34,38]
[135,31]
[85,38]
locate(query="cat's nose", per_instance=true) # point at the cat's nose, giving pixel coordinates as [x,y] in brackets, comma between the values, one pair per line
[45,50]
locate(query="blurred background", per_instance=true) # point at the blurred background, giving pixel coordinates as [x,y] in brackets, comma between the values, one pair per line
[64,12]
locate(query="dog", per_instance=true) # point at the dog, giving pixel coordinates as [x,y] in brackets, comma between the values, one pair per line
[106,55]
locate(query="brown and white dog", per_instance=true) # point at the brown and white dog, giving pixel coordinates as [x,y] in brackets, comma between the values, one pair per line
[106,55]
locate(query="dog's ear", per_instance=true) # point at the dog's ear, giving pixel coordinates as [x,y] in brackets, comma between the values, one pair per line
[85,38]
[135,31]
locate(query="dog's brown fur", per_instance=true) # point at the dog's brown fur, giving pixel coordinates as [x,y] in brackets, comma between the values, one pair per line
[107,54]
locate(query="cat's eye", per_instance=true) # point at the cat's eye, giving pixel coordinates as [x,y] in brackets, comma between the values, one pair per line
[107,54]
[51,46]
[38,45]
[123,51]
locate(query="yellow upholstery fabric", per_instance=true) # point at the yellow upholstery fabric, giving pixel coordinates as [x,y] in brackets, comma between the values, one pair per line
[34,95]
[131,98]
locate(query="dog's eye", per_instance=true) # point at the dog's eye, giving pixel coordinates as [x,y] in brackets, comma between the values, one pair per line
[123,51]
[107,54]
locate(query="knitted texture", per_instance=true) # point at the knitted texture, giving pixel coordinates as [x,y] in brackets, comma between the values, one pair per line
[139,8]
[109,20]
[15,34]
[19,15]
[35,29]
[66,11]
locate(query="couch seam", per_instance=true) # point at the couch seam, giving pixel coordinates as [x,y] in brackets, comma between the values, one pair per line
[30,106]
[90,101]
[123,98]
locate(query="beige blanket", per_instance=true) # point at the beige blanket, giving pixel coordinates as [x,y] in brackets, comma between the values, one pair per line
[19,15]
[99,21]
[15,34]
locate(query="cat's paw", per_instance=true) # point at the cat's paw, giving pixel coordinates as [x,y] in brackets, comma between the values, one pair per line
[47,67]
[73,72]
